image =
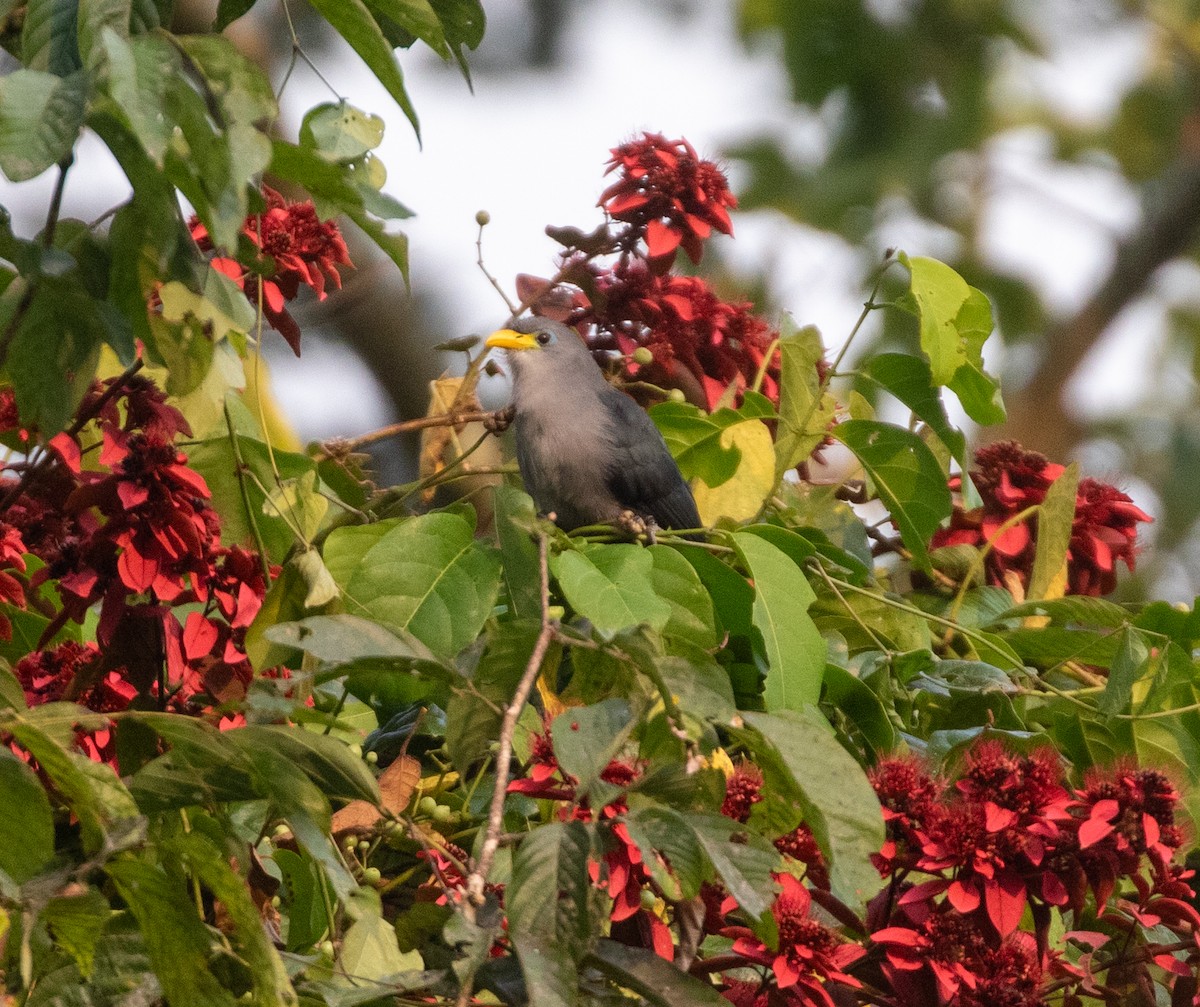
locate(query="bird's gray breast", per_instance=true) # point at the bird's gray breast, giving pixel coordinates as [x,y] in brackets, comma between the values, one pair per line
[563,444]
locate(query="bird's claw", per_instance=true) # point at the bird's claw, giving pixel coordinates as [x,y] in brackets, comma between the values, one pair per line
[500,419]
[636,526]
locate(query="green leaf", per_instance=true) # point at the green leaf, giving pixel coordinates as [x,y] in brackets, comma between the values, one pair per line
[463,22]
[586,738]
[48,37]
[514,516]
[307,919]
[656,830]
[94,17]
[27,827]
[611,586]
[341,639]
[370,952]
[426,575]
[353,21]
[548,900]
[697,439]
[805,410]
[229,11]
[838,803]
[911,381]
[326,761]
[1132,660]
[794,648]
[178,943]
[743,861]
[856,701]
[1056,516]
[660,982]
[676,582]
[77,922]
[907,477]
[340,132]
[405,21]
[40,119]
[209,865]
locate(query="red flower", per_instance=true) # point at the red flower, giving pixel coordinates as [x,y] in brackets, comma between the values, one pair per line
[668,195]
[800,844]
[809,954]
[12,554]
[699,343]
[303,249]
[1104,531]
[1010,480]
[743,789]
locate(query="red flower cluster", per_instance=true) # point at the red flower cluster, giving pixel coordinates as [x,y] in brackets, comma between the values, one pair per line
[810,955]
[12,556]
[136,535]
[1010,837]
[46,676]
[666,198]
[668,195]
[303,249]
[1011,480]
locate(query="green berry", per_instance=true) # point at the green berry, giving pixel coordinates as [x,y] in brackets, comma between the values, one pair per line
[648,899]
[356,750]
[372,758]
[363,845]
[371,875]
[676,395]
[280,830]
[555,612]
[326,948]
[427,805]
[442,814]
[483,218]
[276,901]
[349,843]
[643,356]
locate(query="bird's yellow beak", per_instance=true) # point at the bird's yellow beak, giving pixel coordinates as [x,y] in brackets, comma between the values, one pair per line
[510,339]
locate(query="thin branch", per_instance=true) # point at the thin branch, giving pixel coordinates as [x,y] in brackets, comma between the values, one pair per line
[241,478]
[56,201]
[478,877]
[512,308]
[340,446]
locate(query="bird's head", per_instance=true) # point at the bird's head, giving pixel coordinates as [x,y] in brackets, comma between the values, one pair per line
[545,350]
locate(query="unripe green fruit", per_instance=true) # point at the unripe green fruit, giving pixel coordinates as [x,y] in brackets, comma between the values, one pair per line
[372,758]
[648,899]
[427,805]
[483,218]
[371,875]
[442,814]
[326,948]
[675,395]
[642,355]
[363,846]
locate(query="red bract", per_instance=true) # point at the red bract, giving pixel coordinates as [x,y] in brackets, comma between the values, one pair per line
[809,954]
[303,249]
[1104,531]
[1011,480]
[801,845]
[12,555]
[699,343]
[668,195]
[743,789]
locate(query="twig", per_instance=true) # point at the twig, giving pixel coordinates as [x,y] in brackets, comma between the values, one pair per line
[478,877]
[47,456]
[513,310]
[340,446]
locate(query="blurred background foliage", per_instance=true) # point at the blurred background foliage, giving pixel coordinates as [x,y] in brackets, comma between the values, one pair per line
[938,117]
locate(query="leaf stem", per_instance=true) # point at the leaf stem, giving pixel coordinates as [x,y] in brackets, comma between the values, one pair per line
[241,470]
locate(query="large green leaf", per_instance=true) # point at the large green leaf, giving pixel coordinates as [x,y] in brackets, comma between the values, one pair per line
[805,763]
[909,378]
[427,575]
[353,21]
[805,409]
[697,439]
[514,516]
[27,826]
[1056,516]
[177,941]
[677,583]
[794,648]
[586,738]
[611,586]
[907,477]
[548,902]
[48,36]
[40,119]
[659,981]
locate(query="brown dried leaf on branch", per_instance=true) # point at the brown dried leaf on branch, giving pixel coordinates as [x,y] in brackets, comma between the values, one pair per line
[397,784]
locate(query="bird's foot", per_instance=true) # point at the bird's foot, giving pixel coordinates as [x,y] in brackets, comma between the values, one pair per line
[500,420]
[636,526]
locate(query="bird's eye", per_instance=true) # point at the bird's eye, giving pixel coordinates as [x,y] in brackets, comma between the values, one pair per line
[543,338]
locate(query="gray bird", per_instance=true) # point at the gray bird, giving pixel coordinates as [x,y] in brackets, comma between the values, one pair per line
[587,452]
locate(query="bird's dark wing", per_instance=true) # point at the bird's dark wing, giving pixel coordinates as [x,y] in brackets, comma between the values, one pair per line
[642,475]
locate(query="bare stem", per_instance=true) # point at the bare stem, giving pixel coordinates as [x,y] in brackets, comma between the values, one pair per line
[512,308]
[453,419]
[491,842]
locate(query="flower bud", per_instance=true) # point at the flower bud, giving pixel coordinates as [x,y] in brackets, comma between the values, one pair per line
[483,218]
[643,356]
